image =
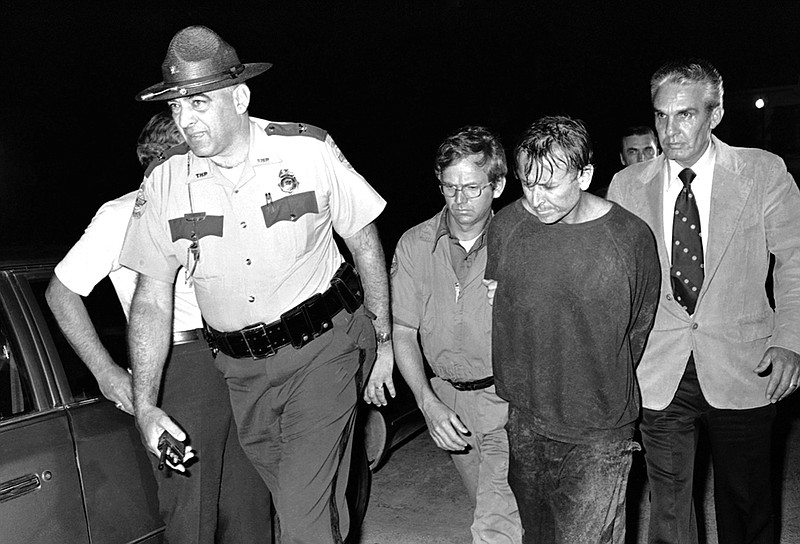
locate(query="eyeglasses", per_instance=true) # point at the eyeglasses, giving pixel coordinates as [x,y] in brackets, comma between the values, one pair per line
[469,191]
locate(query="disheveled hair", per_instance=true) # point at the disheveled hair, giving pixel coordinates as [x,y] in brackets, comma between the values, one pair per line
[553,142]
[687,72]
[471,141]
[158,135]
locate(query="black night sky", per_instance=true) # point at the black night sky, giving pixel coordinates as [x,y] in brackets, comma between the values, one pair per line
[388,79]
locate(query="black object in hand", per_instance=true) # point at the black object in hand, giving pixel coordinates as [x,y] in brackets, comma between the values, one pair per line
[171,449]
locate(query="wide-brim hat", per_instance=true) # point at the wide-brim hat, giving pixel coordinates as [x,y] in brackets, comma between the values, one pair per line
[198,61]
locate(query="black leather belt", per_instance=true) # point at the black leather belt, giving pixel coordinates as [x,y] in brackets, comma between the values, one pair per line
[298,326]
[474,385]
[184,337]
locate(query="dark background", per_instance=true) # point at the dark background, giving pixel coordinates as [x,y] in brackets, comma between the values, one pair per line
[388,79]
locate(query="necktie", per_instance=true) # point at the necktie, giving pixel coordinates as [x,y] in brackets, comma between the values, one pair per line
[687,246]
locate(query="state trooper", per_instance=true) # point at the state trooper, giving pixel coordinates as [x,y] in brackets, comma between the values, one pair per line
[249,208]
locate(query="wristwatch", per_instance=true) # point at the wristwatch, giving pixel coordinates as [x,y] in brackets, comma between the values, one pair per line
[383,337]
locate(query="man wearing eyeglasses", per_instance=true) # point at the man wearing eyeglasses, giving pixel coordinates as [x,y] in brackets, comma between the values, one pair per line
[576,283]
[437,294]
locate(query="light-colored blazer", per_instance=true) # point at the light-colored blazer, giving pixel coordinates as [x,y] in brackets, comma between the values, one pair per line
[755,211]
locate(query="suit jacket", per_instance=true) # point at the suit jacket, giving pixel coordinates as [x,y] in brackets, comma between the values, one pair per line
[755,211]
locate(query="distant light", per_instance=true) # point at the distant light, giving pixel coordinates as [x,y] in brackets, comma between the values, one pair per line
[759,103]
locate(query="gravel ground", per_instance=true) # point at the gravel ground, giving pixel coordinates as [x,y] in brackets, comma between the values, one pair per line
[417,496]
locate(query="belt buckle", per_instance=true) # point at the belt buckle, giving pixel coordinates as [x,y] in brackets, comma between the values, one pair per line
[258,353]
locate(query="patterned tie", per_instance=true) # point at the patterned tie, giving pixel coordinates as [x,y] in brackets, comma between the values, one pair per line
[687,246]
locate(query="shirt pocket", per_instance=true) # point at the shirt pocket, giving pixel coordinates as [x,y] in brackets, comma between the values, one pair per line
[292,219]
[206,231]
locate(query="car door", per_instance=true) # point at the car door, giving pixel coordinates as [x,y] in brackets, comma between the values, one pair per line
[120,492]
[40,487]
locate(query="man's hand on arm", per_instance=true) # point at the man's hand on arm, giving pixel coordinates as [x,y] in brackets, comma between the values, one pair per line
[148,344]
[491,287]
[370,262]
[784,372]
[73,319]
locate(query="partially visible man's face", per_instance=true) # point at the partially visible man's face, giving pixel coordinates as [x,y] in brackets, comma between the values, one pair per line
[555,197]
[637,148]
[682,122]
[208,121]
[468,213]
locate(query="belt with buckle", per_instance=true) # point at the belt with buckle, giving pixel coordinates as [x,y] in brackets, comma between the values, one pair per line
[298,326]
[473,385]
[184,337]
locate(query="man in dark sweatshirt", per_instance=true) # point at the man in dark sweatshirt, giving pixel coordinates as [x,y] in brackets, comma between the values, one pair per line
[575,282]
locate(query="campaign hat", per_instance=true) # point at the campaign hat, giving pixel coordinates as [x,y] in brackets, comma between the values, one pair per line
[198,60]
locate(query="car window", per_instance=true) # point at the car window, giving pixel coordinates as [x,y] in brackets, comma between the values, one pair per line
[109,321]
[16,397]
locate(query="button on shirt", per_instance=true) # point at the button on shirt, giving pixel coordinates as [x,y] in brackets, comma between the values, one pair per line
[266,243]
[701,188]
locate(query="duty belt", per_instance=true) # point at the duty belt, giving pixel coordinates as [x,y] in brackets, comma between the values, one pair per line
[298,326]
[473,385]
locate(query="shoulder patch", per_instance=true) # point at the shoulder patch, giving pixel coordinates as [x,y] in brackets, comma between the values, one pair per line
[338,152]
[141,200]
[296,129]
[180,149]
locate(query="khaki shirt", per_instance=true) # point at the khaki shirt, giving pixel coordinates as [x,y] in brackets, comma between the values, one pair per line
[266,242]
[452,314]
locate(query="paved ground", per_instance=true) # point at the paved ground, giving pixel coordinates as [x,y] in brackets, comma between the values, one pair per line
[417,496]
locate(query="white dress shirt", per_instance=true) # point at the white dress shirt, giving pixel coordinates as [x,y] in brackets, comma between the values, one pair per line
[701,188]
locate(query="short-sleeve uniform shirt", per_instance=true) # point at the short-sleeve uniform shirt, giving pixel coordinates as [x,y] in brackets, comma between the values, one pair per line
[265,242]
[96,255]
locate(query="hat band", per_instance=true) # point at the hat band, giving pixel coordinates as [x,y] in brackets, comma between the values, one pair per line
[185,86]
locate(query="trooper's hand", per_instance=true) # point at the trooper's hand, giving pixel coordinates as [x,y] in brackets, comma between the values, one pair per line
[152,421]
[380,377]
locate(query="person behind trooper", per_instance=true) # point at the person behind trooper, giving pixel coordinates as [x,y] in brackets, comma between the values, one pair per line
[221,498]
[250,207]
[437,294]
[575,285]
[719,356]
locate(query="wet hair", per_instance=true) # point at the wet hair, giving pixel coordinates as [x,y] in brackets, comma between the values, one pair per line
[469,141]
[687,72]
[553,142]
[158,135]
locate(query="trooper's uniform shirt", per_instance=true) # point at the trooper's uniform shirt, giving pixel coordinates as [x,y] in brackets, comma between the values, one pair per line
[265,242]
[96,255]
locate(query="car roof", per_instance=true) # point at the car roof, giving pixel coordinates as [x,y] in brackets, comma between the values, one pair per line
[30,257]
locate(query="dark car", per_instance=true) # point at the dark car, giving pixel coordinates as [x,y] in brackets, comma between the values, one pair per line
[72,466]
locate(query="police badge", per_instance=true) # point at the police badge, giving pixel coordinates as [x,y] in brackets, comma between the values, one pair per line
[288,182]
